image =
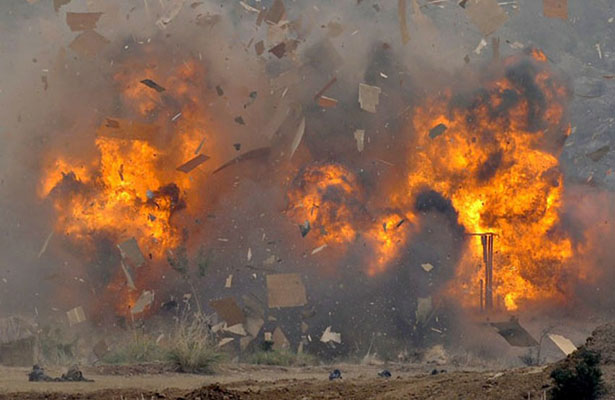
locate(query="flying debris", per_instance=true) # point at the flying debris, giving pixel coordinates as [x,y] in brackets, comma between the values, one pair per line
[192,163]
[285,290]
[153,85]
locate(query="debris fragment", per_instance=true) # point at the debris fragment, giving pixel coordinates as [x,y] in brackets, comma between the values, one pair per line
[59,3]
[259,47]
[239,120]
[280,342]
[171,10]
[127,129]
[176,117]
[598,154]
[563,343]
[129,281]
[276,12]
[423,309]
[298,136]
[329,336]
[369,96]
[359,137]
[403,23]
[285,290]
[248,7]
[319,249]
[427,267]
[82,21]
[555,9]
[278,50]
[225,341]
[327,102]
[228,282]
[131,253]
[228,310]
[254,325]
[219,90]
[236,329]
[44,248]
[305,228]
[144,301]
[250,155]
[192,163]
[249,254]
[487,15]
[151,84]
[237,146]
[88,44]
[75,316]
[325,88]
[437,131]
[514,333]
[481,45]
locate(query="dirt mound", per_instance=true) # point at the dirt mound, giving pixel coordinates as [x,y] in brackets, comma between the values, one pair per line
[602,341]
[130,369]
[211,392]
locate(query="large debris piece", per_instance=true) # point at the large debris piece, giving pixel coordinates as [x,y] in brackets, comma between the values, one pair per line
[75,316]
[192,163]
[88,44]
[487,15]
[143,302]
[514,333]
[228,311]
[131,253]
[285,290]
[403,23]
[369,97]
[555,9]
[330,336]
[563,343]
[82,21]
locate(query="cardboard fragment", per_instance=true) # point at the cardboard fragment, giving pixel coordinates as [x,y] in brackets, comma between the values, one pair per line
[280,342]
[131,253]
[359,137]
[228,310]
[88,44]
[369,96]
[59,3]
[276,12]
[487,15]
[403,23]
[427,267]
[298,137]
[253,306]
[598,154]
[127,129]
[75,316]
[423,309]
[259,47]
[143,302]
[555,9]
[193,163]
[254,325]
[225,341]
[129,281]
[278,50]
[244,342]
[236,329]
[262,152]
[325,88]
[229,281]
[563,343]
[329,336]
[327,102]
[82,21]
[285,290]
[514,333]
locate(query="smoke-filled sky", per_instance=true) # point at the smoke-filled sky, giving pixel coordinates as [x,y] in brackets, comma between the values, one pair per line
[223,99]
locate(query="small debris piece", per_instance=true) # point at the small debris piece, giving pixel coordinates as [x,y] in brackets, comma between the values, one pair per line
[359,137]
[151,84]
[143,302]
[285,290]
[598,154]
[427,267]
[385,373]
[228,311]
[329,336]
[319,249]
[236,329]
[304,327]
[75,316]
[563,343]
[45,82]
[424,306]
[82,21]
[88,44]
[250,155]
[225,341]
[127,129]
[195,4]
[369,96]
[259,47]
[325,88]
[514,333]
[280,342]
[59,3]
[487,15]
[327,102]
[248,7]
[249,254]
[237,146]
[254,325]
[239,120]
[481,45]
[462,3]
[44,248]
[403,23]
[269,261]
[219,90]
[335,374]
[305,228]
[437,131]
[276,12]
[176,117]
[278,50]
[229,281]
[171,9]
[298,136]
[129,281]
[555,9]
[131,253]
[193,163]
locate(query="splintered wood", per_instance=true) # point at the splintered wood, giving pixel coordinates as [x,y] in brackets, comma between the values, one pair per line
[487,15]
[285,290]
[555,9]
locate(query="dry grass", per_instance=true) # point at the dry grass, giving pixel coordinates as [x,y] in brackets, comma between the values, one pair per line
[192,348]
[283,358]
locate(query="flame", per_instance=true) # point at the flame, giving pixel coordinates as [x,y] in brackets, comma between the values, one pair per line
[489,162]
[132,187]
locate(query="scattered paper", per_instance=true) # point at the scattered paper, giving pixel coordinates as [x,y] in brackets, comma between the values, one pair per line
[249,254]
[225,341]
[329,336]
[254,325]
[359,137]
[236,329]
[285,290]
[369,96]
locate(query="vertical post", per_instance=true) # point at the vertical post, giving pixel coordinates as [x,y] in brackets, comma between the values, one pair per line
[481,295]
[487,242]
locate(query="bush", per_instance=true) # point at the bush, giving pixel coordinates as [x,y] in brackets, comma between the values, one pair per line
[580,378]
[283,358]
[192,348]
[141,349]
